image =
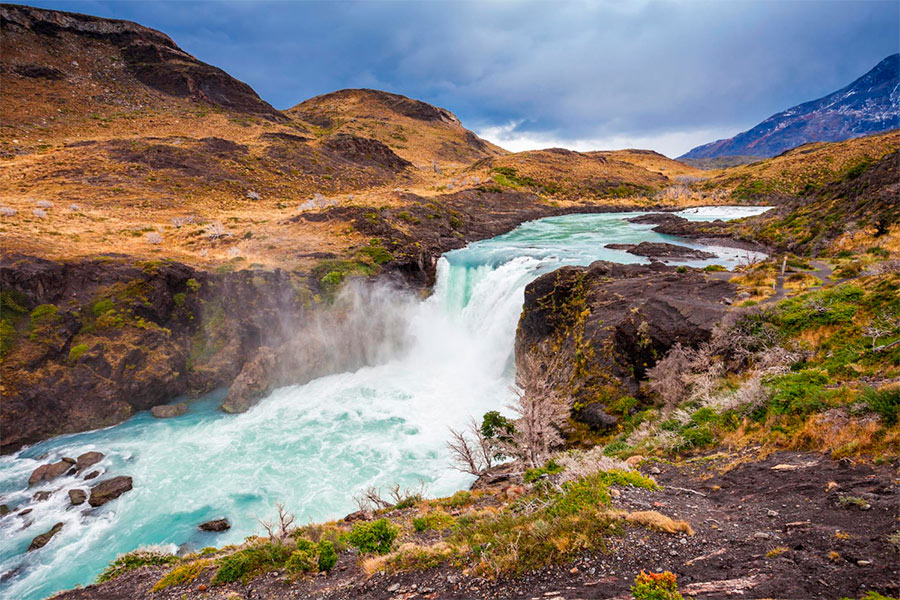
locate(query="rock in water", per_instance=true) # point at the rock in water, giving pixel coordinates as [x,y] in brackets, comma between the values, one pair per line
[41,496]
[50,471]
[77,497]
[108,490]
[662,250]
[254,382]
[215,525]
[167,411]
[91,475]
[43,539]
[88,459]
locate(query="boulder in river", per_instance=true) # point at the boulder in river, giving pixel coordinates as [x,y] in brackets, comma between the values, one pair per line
[77,497]
[41,496]
[215,525]
[43,539]
[662,250]
[88,459]
[254,382]
[50,471]
[4,510]
[91,475]
[109,489]
[167,411]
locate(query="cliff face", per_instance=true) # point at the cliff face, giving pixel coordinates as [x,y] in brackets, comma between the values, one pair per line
[612,322]
[86,343]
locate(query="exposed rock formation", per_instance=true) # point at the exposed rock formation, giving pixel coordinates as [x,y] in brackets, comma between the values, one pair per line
[611,322]
[149,56]
[88,459]
[42,540]
[215,525]
[77,497]
[662,250]
[167,411]
[109,490]
[51,471]
[254,381]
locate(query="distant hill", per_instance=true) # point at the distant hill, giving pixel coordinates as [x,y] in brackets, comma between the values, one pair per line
[870,104]
[415,130]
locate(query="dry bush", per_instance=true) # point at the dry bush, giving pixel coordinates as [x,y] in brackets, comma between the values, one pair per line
[540,409]
[280,528]
[44,204]
[7,211]
[215,230]
[655,520]
[472,452]
[39,213]
[74,207]
[372,498]
[153,238]
[578,464]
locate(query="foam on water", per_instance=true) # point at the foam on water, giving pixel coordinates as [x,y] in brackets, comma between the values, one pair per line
[311,446]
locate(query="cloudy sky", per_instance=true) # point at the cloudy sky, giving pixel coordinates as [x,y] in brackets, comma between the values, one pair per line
[582,75]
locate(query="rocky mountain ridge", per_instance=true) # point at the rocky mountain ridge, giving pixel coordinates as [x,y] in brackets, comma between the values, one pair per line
[870,104]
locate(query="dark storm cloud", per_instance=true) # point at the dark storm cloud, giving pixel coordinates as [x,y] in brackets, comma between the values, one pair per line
[583,74]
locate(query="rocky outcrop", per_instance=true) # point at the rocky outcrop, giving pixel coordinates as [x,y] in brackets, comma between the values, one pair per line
[88,459]
[254,381]
[608,323]
[51,471]
[662,250]
[168,411]
[87,343]
[215,525]
[149,56]
[42,540]
[77,497]
[109,490]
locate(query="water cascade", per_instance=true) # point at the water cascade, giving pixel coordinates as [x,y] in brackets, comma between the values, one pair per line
[311,446]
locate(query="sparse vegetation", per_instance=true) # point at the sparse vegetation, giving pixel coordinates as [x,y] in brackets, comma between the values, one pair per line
[149,555]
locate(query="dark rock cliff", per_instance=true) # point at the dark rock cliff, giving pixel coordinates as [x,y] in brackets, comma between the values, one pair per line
[599,328]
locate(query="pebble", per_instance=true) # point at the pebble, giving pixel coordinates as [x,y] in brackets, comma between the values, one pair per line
[393,588]
[772,513]
[761,535]
[864,563]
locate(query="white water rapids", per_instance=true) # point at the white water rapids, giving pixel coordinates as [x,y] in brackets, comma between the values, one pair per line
[310,446]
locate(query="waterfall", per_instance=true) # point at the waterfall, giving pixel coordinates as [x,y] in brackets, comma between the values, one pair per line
[311,446]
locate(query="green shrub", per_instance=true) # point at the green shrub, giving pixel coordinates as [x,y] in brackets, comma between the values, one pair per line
[192,284]
[327,556]
[76,351]
[714,268]
[305,558]
[377,253]
[884,402]
[457,500]
[377,536]
[42,317]
[102,306]
[550,468]
[135,559]
[655,586]
[437,520]
[252,560]
[182,574]
[798,393]
[681,269]
[179,299]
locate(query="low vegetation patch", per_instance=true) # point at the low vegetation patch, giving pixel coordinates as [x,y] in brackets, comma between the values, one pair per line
[142,557]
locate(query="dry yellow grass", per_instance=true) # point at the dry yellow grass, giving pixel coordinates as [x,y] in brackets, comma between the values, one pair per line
[655,520]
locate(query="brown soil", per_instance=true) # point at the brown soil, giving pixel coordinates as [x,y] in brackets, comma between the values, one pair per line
[761,530]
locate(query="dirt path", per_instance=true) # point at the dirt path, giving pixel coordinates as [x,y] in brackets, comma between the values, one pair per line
[771,529]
